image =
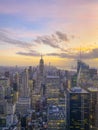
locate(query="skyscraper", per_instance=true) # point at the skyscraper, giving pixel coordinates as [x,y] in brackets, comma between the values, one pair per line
[82,65]
[25,84]
[77,109]
[93,108]
[24,102]
[41,66]
[30,73]
[16,81]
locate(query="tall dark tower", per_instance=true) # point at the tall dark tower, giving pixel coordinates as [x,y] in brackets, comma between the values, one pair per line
[41,66]
[78,109]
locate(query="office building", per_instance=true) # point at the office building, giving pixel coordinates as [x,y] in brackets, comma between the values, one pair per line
[41,66]
[93,108]
[77,109]
[24,101]
[25,90]
[82,65]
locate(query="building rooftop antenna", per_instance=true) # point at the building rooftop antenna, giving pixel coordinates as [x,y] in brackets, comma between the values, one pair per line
[79,73]
[41,56]
[80,55]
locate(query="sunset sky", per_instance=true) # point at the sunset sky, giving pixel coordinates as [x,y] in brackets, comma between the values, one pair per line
[58,29]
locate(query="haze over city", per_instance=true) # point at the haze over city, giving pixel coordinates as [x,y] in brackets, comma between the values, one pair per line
[57,29]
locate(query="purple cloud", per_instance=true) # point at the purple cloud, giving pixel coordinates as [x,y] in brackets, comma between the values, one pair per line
[6,39]
[30,53]
[53,40]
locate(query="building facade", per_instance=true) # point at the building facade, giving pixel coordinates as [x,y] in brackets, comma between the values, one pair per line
[77,109]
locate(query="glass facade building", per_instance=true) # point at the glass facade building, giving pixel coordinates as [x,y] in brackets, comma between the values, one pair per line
[77,109]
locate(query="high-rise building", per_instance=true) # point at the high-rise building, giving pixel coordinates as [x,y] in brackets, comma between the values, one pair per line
[24,101]
[82,65]
[93,108]
[93,72]
[25,90]
[5,83]
[2,93]
[74,80]
[16,81]
[77,109]
[7,74]
[41,66]
[30,73]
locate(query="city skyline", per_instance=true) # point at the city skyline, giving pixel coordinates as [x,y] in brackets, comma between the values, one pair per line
[59,30]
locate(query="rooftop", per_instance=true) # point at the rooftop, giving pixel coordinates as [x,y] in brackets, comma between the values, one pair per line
[77,90]
[53,77]
[93,89]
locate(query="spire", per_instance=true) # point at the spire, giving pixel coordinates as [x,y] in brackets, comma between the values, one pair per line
[80,54]
[41,60]
[41,56]
[41,65]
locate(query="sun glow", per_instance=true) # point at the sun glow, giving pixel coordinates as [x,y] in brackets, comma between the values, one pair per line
[45,49]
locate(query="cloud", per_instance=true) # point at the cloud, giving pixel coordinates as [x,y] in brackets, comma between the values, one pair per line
[53,54]
[84,55]
[20,33]
[91,54]
[30,53]
[62,36]
[63,55]
[35,53]
[6,39]
[48,40]
[53,40]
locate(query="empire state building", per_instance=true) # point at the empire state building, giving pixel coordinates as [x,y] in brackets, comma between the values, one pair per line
[41,66]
